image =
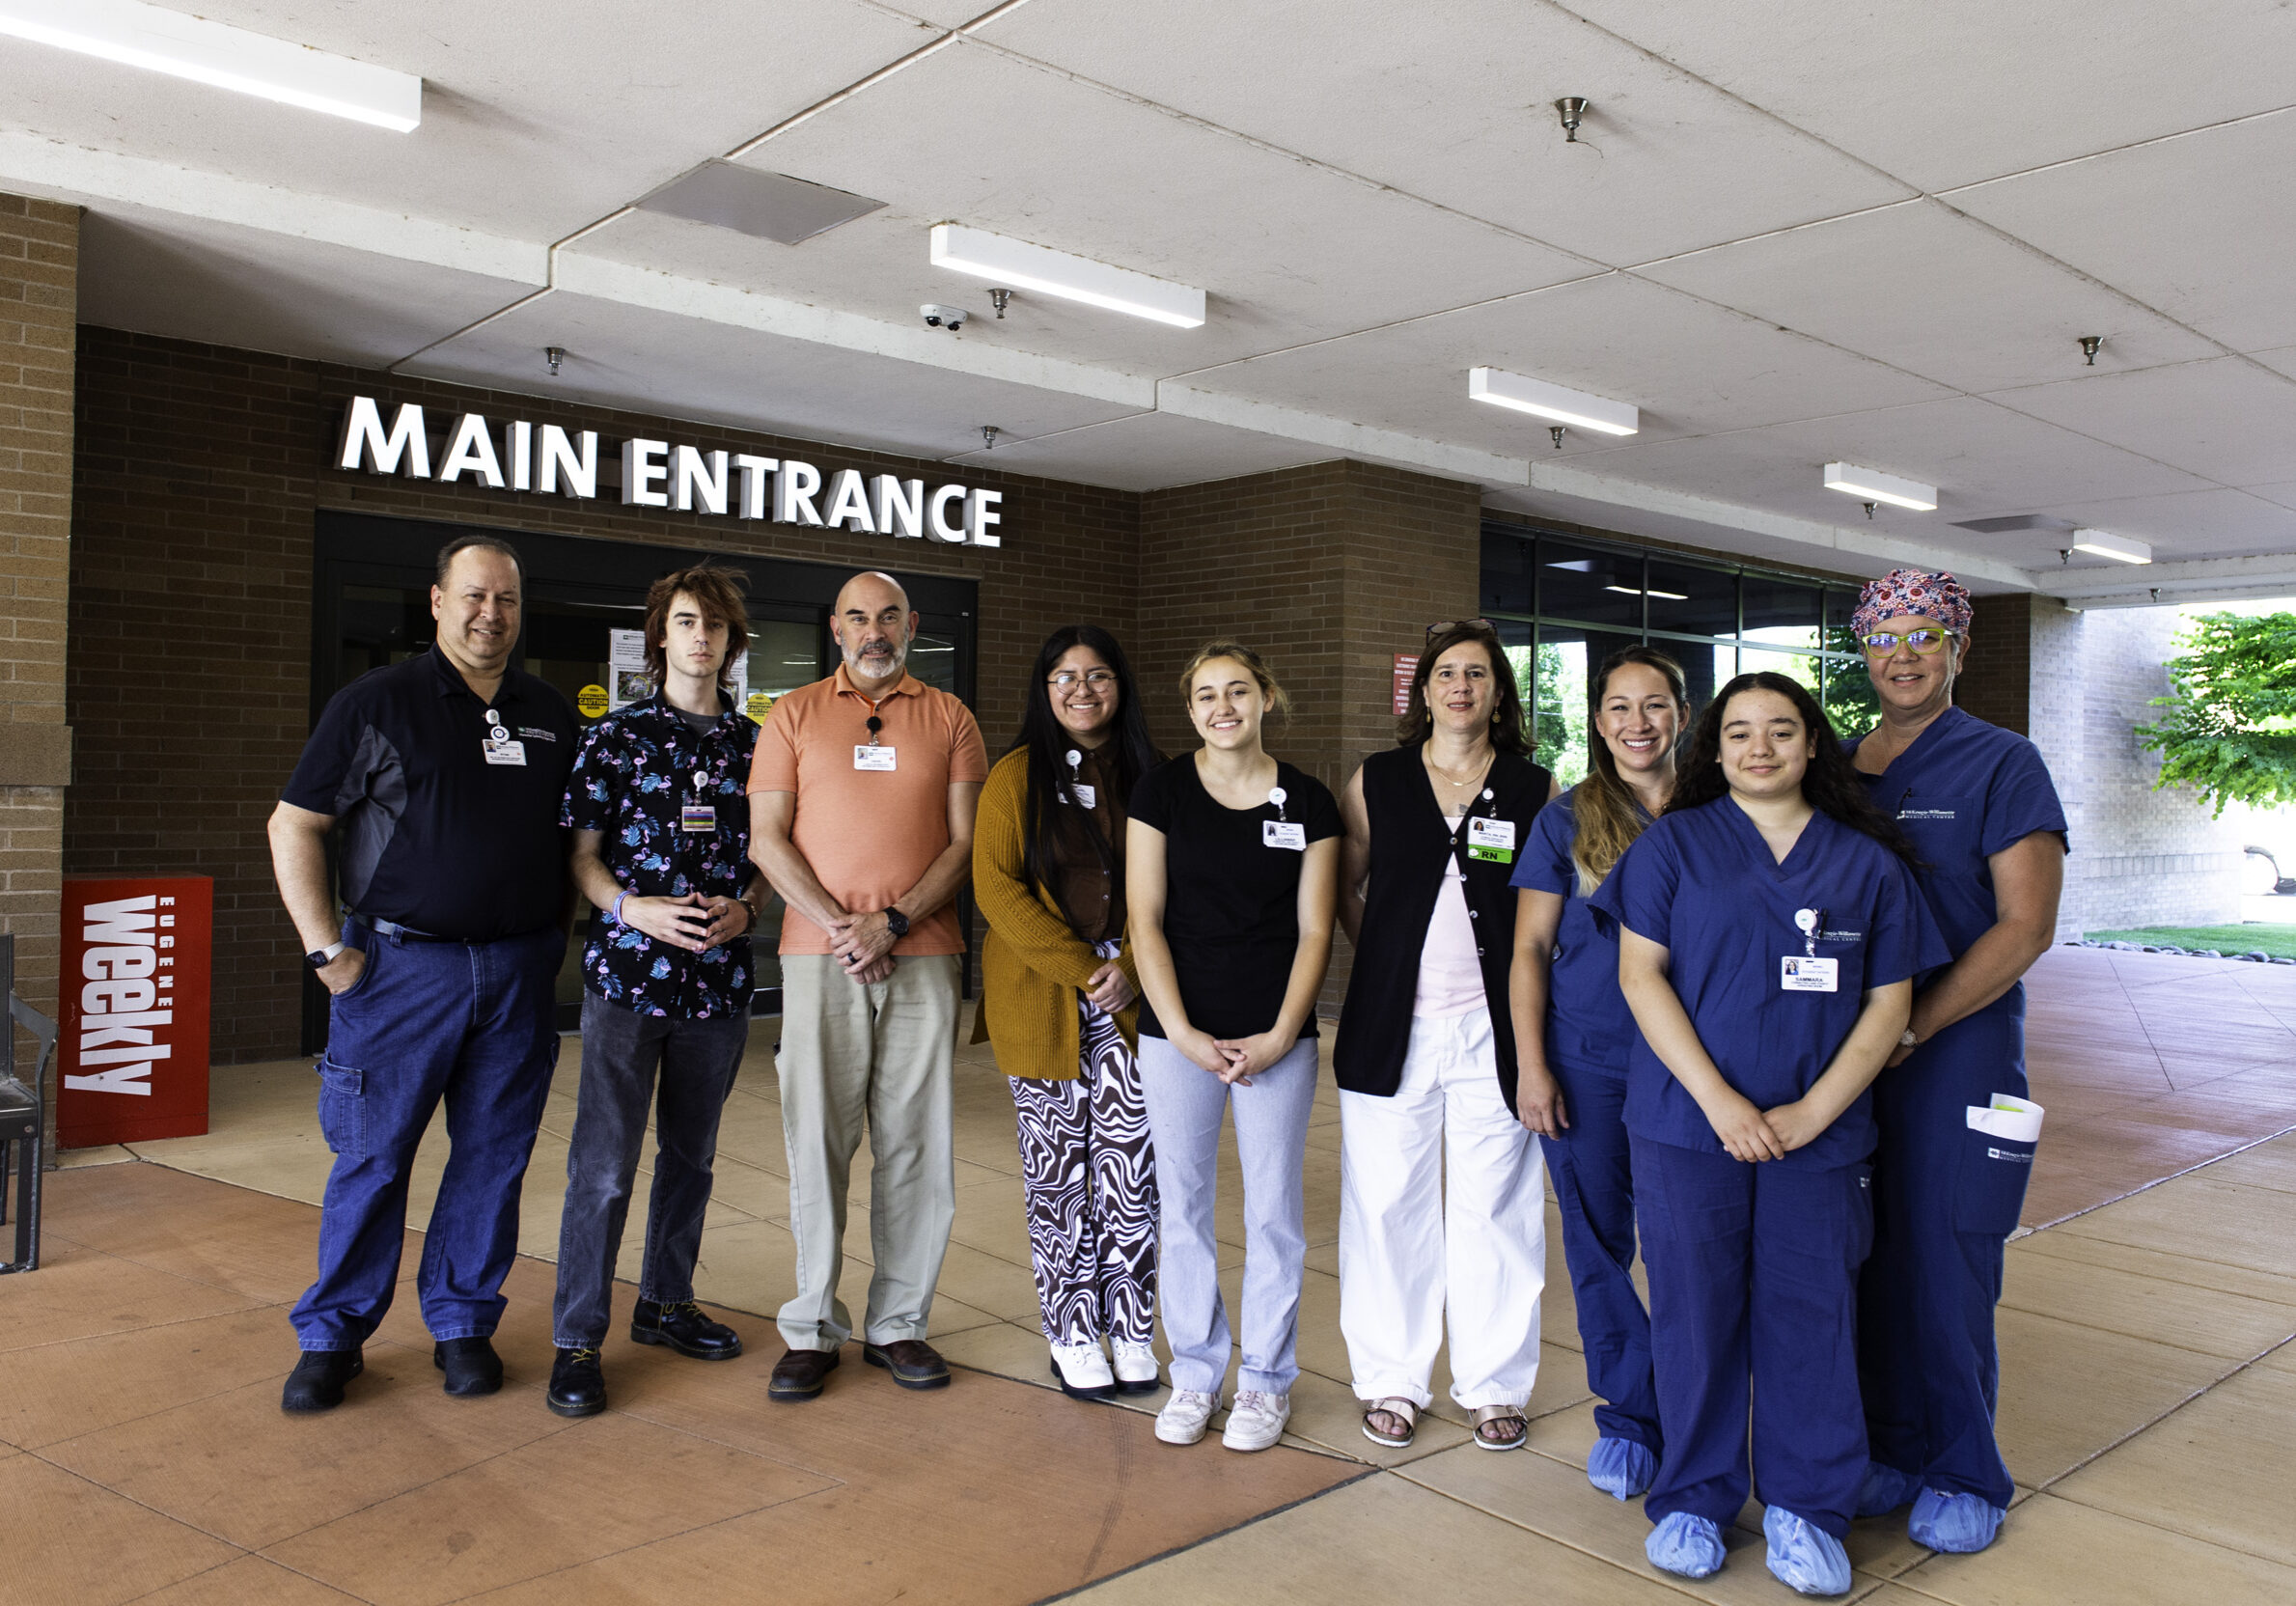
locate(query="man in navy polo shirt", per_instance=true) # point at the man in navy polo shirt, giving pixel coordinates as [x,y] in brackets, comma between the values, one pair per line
[662,846]
[442,778]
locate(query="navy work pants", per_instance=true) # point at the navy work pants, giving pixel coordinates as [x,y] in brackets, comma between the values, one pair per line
[1593,1180]
[1946,1200]
[471,1024]
[621,1052]
[1753,1280]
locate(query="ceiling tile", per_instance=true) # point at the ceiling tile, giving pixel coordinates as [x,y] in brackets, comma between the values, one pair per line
[1692,367]
[1455,102]
[2202,228]
[684,368]
[1148,452]
[537,118]
[2225,418]
[1951,91]
[2194,524]
[1933,293]
[163,273]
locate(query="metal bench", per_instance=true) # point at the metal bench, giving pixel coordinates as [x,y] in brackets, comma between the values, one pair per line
[21,1115]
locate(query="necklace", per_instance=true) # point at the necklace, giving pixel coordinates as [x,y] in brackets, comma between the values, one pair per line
[1472,780]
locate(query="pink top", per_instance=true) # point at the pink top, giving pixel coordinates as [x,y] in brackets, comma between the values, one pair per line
[1449,970]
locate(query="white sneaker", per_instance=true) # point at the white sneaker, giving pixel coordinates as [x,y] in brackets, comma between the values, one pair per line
[1257,1420]
[1135,1366]
[1185,1416]
[1083,1371]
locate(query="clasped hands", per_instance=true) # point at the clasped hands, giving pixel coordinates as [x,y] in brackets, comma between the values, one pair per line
[1753,1134]
[1234,1061]
[694,922]
[863,944]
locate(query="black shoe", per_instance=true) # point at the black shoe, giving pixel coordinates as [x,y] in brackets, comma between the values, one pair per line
[316,1382]
[685,1329]
[800,1373]
[471,1365]
[913,1362]
[577,1384]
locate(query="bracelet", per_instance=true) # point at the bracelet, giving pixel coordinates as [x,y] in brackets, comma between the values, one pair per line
[615,913]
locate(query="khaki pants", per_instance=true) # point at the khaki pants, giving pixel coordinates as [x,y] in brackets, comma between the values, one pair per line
[881,1054]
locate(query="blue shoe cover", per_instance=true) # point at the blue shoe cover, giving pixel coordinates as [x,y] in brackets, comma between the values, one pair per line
[1957,1524]
[1885,1490]
[1686,1546]
[1621,1468]
[1805,1559]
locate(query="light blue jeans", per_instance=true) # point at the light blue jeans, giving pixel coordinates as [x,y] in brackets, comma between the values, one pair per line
[1185,1106]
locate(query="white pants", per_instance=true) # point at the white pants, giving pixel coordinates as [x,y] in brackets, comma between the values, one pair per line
[1409,1251]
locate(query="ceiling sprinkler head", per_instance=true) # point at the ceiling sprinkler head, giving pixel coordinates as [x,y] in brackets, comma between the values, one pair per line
[988,437]
[1869,513]
[997,298]
[2089,347]
[1572,107]
[1556,431]
[554,355]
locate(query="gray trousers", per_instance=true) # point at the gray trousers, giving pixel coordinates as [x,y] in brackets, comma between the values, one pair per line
[881,1055]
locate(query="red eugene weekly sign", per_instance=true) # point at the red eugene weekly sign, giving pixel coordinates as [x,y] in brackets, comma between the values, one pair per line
[1406,671]
[133,1044]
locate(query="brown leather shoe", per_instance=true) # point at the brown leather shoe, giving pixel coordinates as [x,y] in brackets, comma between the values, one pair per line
[913,1362]
[800,1373]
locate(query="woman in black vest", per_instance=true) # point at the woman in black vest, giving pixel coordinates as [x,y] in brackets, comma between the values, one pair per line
[1425,1056]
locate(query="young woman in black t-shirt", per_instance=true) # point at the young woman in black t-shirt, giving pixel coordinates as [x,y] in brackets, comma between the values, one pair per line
[1231,869]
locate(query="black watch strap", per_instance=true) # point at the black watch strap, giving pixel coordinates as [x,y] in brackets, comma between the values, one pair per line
[897,922]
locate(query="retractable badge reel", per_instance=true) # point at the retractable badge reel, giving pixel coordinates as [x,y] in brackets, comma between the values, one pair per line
[499,747]
[1086,797]
[1805,972]
[700,815]
[869,755]
[1280,832]
[1491,840]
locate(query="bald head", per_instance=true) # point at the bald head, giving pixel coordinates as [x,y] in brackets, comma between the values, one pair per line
[873,625]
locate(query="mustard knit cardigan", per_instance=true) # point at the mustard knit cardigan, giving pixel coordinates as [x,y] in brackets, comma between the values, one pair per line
[1031,965]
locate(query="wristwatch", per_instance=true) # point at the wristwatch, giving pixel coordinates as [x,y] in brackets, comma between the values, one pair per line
[1911,1040]
[897,923]
[319,958]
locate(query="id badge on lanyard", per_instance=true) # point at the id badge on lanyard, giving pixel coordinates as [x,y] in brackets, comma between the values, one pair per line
[698,815]
[1491,840]
[1805,972]
[870,755]
[1280,832]
[499,747]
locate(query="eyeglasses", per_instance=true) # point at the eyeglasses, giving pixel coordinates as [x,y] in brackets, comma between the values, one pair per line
[1099,680]
[1442,624]
[1882,643]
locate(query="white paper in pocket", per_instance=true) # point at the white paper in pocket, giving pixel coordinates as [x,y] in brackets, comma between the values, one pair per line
[2018,1119]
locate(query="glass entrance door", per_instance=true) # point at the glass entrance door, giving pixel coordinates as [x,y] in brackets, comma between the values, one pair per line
[371,607]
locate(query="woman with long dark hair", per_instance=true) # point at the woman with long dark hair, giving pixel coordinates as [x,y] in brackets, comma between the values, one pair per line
[1441,1210]
[1770,931]
[1574,1031]
[1058,1004]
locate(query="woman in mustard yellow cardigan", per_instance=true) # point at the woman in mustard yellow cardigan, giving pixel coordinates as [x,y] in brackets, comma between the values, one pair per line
[1058,1002]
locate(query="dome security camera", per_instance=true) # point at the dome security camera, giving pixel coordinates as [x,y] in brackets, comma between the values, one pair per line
[938,316]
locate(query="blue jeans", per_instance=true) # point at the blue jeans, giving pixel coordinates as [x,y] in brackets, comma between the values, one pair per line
[620,1052]
[470,1023]
[1185,1104]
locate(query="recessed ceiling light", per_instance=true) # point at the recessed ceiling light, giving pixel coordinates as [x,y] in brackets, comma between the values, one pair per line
[2098,544]
[751,200]
[1537,396]
[1016,263]
[217,54]
[1875,485]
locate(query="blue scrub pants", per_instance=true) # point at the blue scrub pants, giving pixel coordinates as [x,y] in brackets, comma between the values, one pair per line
[1594,1187]
[471,1024]
[1754,1277]
[1946,1199]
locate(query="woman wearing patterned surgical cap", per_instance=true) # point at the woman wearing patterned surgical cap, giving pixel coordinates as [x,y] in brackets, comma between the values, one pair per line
[1955,1149]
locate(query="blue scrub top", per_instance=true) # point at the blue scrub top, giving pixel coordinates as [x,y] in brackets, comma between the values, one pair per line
[1963,791]
[1588,1021]
[1703,883]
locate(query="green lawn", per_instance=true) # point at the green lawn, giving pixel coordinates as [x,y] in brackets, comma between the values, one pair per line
[2278,941]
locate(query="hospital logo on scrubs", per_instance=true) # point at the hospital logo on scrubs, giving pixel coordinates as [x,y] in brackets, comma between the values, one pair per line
[1926,814]
[1841,936]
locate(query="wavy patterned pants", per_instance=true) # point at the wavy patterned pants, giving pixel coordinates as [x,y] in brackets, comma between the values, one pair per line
[1092,1190]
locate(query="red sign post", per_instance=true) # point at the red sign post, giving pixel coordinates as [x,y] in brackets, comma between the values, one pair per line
[1406,671]
[133,1042]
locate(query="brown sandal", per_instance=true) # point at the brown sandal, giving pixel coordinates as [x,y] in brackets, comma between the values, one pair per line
[1492,1416]
[1399,1408]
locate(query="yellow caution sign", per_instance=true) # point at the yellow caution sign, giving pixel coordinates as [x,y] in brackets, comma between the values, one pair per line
[760,704]
[591,701]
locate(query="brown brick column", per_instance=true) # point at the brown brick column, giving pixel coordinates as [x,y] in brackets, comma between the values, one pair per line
[39,299]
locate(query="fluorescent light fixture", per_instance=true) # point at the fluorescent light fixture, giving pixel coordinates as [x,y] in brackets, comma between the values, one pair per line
[1021,266]
[1574,407]
[2099,545]
[1636,591]
[1875,485]
[215,53]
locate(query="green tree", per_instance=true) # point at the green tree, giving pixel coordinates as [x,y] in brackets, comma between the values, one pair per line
[2230,732]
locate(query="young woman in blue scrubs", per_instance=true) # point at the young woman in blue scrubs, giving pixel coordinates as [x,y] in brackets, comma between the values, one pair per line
[1573,1034]
[1770,931]
[1985,820]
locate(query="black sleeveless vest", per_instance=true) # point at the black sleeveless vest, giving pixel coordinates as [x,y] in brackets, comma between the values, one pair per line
[1410,841]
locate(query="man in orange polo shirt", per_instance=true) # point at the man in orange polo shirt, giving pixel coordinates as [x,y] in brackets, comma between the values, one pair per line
[860,815]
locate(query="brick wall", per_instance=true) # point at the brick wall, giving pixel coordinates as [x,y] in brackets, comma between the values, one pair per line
[201,471]
[1996,678]
[39,294]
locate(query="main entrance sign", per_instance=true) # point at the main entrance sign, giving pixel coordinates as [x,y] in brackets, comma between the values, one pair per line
[520,455]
